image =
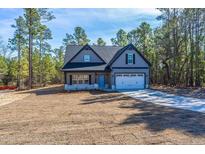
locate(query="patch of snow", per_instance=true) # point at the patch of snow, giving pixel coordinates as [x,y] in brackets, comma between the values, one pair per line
[162,98]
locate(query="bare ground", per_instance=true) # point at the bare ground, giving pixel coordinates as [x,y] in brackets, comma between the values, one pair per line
[7,97]
[10,96]
[53,116]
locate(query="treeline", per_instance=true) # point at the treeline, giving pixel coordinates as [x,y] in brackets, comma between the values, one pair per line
[179,48]
[176,48]
[28,60]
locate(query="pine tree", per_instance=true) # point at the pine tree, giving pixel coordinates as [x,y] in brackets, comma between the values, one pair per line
[121,38]
[101,42]
[80,36]
[17,43]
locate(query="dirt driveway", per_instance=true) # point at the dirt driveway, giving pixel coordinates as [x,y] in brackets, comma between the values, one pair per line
[52,116]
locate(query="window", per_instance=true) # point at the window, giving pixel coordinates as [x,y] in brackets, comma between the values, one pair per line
[80,79]
[119,75]
[86,58]
[130,58]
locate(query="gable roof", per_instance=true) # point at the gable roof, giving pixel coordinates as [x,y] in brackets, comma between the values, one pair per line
[86,47]
[128,47]
[108,54]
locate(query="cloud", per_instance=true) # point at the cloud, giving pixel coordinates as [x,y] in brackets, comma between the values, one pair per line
[96,22]
[150,11]
[7,17]
[6,31]
[100,22]
[76,16]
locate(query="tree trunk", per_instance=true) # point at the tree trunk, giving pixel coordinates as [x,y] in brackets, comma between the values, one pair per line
[40,63]
[181,69]
[191,80]
[197,79]
[19,67]
[30,49]
[166,66]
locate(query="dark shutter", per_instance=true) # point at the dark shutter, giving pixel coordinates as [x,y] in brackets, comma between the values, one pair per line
[133,58]
[89,79]
[70,79]
[65,78]
[126,58]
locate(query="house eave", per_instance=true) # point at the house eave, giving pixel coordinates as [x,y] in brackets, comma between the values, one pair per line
[66,70]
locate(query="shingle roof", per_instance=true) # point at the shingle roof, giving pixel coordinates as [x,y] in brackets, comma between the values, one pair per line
[106,53]
[71,50]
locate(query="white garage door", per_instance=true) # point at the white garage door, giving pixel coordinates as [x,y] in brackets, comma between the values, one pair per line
[130,81]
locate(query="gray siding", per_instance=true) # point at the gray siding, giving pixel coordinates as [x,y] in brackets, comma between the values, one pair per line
[93,56]
[139,61]
[119,66]
[121,62]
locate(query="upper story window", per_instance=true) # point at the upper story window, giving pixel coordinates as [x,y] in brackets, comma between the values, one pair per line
[130,58]
[86,58]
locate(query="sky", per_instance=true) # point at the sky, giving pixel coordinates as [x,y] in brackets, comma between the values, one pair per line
[97,22]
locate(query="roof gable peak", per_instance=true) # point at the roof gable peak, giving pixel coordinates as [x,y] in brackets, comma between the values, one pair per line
[86,47]
[128,47]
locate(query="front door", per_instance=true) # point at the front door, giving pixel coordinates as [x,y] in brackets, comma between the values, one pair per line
[101,81]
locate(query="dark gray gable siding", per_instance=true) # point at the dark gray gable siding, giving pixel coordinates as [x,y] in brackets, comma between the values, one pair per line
[71,50]
[105,52]
[86,47]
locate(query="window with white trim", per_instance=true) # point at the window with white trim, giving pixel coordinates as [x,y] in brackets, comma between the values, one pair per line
[130,58]
[86,58]
[80,79]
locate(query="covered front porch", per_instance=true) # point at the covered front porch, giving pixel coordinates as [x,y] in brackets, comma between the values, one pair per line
[87,80]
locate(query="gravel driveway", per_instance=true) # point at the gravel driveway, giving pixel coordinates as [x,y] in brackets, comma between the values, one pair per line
[53,116]
[171,100]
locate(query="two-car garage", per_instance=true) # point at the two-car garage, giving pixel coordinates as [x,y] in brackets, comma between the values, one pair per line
[130,81]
